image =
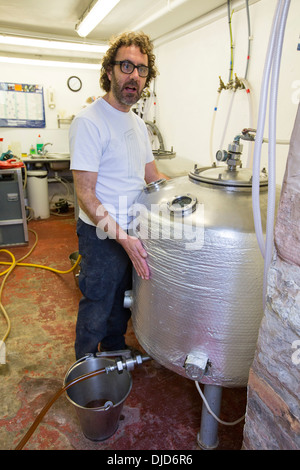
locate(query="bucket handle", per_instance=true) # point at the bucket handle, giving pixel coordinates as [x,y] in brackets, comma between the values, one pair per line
[87,356]
[107,405]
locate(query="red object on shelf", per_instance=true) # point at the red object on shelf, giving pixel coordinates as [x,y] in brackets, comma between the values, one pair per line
[11,163]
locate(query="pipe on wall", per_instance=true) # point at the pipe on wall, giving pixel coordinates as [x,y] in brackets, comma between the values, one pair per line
[200,22]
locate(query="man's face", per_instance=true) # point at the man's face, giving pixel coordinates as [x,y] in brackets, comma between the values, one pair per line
[127,88]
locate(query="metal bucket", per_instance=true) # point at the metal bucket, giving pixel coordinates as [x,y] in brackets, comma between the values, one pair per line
[73,258]
[98,400]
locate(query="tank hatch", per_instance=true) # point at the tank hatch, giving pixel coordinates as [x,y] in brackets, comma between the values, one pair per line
[224,176]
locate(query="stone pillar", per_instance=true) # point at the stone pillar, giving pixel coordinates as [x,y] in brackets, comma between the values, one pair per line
[273,408]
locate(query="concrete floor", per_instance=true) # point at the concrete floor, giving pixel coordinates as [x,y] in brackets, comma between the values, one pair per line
[163,410]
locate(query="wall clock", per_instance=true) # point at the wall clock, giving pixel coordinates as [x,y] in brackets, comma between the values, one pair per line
[74,83]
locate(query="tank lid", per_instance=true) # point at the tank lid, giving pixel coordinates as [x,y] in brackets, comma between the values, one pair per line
[240,177]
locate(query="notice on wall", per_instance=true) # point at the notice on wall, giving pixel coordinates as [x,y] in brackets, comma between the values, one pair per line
[21,105]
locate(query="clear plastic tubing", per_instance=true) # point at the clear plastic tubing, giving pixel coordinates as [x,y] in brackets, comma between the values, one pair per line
[272,62]
[272,145]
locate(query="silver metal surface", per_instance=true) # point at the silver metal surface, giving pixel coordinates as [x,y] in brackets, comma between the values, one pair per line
[205,292]
[207,438]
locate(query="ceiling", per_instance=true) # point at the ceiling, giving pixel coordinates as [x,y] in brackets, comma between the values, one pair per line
[56,19]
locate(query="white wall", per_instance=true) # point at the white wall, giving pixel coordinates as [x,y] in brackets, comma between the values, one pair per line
[67,102]
[190,67]
[186,88]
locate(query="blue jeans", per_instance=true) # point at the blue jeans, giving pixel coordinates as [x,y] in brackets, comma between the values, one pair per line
[105,275]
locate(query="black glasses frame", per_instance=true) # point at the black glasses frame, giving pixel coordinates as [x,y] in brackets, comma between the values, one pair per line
[139,68]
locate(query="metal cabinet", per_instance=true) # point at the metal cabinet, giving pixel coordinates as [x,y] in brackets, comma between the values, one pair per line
[13,223]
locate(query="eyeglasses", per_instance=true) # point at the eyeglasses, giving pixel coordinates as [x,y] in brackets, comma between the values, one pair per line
[128,67]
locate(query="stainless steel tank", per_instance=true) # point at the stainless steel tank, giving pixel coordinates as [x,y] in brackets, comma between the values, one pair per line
[200,312]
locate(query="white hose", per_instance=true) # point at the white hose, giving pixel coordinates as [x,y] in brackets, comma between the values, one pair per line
[250,104]
[272,143]
[227,119]
[232,423]
[278,141]
[259,134]
[272,62]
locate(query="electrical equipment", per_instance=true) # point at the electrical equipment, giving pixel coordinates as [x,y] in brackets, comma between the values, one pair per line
[13,224]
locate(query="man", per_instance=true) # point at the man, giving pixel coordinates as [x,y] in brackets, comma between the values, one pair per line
[111,159]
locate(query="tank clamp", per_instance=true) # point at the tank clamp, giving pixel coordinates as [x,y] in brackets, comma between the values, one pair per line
[196,366]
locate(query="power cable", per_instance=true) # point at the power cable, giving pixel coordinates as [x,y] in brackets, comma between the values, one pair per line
[12,266]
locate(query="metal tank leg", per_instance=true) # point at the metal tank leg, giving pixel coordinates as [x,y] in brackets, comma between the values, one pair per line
[207,437]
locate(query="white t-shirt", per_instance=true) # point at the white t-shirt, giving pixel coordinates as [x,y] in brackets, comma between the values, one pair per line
[115,145]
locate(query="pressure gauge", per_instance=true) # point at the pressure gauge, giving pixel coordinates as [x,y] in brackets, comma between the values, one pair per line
[74,83]
[221,155]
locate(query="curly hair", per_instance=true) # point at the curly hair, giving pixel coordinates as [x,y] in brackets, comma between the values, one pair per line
[140,40]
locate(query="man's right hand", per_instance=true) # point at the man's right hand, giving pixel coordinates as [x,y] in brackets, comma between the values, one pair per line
[138,255]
